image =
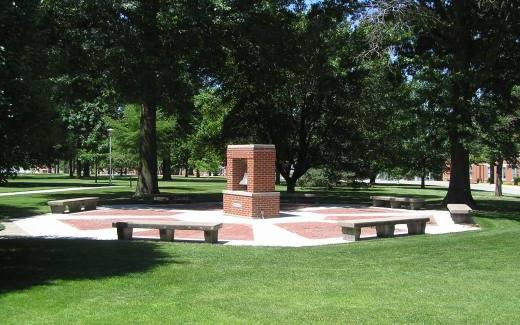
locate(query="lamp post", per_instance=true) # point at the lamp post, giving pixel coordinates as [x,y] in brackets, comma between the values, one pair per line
[110,155]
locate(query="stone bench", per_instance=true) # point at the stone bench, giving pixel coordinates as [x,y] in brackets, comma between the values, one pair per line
[167,229]
[384,226]
[381,201]
[460,213]
[73,205]
[398,202]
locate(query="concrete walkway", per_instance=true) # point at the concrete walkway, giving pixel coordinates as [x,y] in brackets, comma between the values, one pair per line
[57,190]
[297,226]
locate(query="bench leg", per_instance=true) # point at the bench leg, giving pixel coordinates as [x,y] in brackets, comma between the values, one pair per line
[416,206]
[385,230]
[74,207]
[459,218]
[395,204]
[211,236]
[58,209]
[90,206]
[351,234]
[167,234]
[124,233]
[416,228]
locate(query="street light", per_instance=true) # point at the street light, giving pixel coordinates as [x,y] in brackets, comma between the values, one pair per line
[110,155]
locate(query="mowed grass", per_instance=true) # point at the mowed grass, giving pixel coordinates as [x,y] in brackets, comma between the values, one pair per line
[457,278]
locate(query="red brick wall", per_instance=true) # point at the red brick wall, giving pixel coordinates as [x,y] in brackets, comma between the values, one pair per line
[261,169]
[252,206]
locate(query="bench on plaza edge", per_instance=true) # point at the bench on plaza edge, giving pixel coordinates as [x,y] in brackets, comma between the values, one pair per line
[167,229]
[384,226]
[460,213]
[73,205]
[398,202]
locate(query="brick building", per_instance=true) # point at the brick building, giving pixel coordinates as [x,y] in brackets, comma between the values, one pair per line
[480,173]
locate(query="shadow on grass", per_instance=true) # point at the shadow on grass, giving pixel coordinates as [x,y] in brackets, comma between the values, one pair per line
[20,185]
[30,262]
[507,208]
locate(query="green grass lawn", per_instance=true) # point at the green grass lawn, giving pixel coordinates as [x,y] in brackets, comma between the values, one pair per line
[456,278]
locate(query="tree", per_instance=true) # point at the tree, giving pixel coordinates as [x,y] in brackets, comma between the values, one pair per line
[126,135]
[287,79]
[149,49]
[206,142]
[29,124]
[455,41]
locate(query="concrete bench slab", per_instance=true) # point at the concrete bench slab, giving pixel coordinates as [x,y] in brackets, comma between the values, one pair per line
[73,205]
[381,201]
[385,227]
[461,213]
[167,229]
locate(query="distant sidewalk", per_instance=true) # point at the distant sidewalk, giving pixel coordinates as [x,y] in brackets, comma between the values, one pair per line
[57,190]
[506,189]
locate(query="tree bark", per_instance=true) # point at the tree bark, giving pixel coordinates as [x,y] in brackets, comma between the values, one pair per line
[277,180]
[71,167]
[459,190]
[498,178]
[423,180]
[96,171]
[147,183]
[372,179]
[291,184]
[167,168]
[78,168]
[86,169]
[197,173]
[186,172]
[491,173]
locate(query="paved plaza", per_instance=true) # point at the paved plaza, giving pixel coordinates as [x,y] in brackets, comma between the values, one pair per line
[298,225]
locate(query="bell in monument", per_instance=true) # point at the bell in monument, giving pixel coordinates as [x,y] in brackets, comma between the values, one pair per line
[244,179]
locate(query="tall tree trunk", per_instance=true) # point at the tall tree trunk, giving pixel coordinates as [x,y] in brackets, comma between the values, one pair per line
[167,168]
[197,173]
[86,169]
[277,180]
[372,179]
[78,168]
[147,183]
[71,167]
[459,190]
[498,178]
[492,173]
[95,171]
[186,172]
[291,184]
[423,179]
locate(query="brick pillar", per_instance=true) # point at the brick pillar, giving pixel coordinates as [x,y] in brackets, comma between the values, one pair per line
[258,199]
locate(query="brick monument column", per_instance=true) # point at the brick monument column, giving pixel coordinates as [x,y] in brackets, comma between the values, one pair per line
[251,174]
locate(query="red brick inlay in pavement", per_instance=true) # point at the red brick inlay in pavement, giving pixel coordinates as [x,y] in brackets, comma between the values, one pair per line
[229,231]
[313,230]
[347,211]
[97,224]
[128,212]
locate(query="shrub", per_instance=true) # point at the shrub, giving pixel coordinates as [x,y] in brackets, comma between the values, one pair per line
[321,177]
[516,181]
[314,178]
